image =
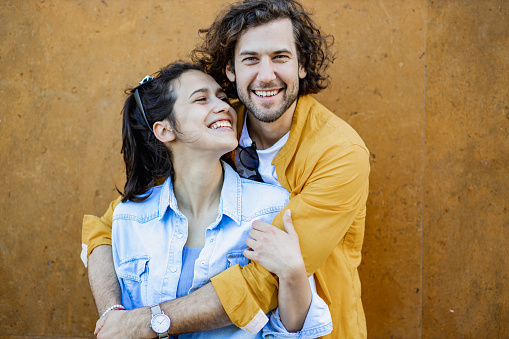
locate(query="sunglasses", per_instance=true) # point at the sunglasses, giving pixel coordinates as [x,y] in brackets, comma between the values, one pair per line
[137,98]
[249,159]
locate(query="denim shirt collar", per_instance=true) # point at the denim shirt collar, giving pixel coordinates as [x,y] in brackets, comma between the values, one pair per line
[229,205]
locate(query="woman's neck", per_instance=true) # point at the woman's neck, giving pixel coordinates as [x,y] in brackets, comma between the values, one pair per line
[197,186]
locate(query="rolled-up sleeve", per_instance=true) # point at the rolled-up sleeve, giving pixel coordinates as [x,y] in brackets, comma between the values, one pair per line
[247,294]
[96,231]
[317,324]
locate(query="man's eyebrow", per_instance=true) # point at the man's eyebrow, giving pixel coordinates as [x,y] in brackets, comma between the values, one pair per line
[248,53]
[279,51]
[283,50]
[203,90]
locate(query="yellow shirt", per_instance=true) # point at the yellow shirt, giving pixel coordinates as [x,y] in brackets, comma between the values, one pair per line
[325,167]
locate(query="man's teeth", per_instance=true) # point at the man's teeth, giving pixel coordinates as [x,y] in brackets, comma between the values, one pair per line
[222,123]
[266,93]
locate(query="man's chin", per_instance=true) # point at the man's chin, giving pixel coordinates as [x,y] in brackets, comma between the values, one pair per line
[266,115]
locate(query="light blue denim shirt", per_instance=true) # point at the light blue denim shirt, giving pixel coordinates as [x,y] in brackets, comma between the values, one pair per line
[148,239]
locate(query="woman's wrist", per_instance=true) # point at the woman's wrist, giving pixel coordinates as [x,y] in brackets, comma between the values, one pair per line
[293,271]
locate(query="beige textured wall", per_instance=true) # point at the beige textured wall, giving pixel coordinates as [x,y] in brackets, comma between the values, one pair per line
[424,82]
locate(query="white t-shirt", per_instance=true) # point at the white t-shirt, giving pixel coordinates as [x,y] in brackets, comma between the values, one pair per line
[266,169]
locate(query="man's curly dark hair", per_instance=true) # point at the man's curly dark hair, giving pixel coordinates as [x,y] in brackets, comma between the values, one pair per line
[218,47]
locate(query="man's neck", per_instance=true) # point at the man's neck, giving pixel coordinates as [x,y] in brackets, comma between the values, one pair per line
[266,134]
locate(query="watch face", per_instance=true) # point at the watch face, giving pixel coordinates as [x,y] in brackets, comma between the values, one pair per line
[160,323]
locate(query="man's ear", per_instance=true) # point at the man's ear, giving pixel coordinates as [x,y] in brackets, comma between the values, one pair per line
[163,131]
[302,72]
[230,72]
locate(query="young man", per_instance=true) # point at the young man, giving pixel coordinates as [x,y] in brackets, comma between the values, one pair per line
[269,55]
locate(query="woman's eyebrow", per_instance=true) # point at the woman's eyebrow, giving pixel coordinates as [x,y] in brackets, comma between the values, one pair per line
[203,90]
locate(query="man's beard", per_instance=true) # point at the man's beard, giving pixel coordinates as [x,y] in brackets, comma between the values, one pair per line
[264,113]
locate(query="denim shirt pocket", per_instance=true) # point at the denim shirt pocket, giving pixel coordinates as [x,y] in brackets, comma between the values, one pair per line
[236,257]
[133,272]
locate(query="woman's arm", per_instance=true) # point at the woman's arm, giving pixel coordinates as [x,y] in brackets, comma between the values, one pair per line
[279,252]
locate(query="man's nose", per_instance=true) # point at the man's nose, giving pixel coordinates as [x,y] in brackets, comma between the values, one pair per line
[266,72]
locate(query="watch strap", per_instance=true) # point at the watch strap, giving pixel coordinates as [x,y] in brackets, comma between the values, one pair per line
[156,309]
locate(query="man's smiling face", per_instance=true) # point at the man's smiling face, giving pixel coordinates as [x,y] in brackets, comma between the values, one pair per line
[267,70]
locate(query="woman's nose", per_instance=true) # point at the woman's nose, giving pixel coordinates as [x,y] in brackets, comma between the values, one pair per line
[221,106]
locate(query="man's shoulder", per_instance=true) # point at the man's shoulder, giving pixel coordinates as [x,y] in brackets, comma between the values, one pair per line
[326,127]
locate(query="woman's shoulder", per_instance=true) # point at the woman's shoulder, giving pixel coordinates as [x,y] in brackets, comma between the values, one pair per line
[143,210]
[260,198]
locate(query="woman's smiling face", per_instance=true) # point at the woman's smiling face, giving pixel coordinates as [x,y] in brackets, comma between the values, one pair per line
[203,116]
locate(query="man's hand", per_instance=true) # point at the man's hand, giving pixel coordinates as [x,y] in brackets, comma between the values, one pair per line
[125,324]
[276,250]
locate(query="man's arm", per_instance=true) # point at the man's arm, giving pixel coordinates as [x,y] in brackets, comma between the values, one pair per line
[197,312]
[96,235]
[102,278]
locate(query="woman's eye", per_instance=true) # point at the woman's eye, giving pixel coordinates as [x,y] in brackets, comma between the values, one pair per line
[225,99]
[201,99]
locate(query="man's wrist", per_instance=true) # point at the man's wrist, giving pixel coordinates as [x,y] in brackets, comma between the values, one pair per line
[139,321]
[113,307]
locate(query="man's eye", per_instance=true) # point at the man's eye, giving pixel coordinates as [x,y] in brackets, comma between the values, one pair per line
[250,59]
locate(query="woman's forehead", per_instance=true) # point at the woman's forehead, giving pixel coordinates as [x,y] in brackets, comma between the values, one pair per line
[194,79]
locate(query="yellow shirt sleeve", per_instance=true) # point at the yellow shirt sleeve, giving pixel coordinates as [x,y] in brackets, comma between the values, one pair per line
[97,231]
[324,207]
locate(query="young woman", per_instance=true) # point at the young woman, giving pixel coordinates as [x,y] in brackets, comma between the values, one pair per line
[169,240]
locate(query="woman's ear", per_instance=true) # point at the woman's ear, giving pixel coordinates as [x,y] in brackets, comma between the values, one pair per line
[163,131]
[230,72]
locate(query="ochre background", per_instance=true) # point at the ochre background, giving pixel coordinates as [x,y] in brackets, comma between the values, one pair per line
[425,83]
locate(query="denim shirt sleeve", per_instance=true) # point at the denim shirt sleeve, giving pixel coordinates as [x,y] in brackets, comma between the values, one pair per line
[318,322]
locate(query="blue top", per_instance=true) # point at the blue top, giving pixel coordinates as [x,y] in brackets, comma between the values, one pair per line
[189,256]
[148,240]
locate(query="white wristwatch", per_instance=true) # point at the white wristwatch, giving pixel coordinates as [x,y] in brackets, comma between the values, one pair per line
[160,322]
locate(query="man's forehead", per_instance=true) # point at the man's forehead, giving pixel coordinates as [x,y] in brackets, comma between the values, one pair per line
[271,37]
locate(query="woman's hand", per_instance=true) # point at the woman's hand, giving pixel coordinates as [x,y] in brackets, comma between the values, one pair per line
[279,252]
[276,250]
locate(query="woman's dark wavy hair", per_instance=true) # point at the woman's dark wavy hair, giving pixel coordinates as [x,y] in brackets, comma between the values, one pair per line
[148,160]
[218,47]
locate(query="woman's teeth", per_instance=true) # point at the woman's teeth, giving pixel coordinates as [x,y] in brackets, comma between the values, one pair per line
[222,123]
[266,93]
